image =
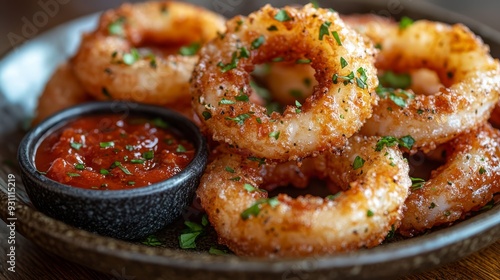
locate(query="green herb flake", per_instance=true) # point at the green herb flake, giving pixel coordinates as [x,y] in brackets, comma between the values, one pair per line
[104,171]
[277,59]
[254,210]
[261,161]
[250,188]
[124,169]
[242,97]
[148,155]
[130,183]
[274,134]
[80,166]
[482,170]
[343,62]
[303,61]
[282,16]
[204,220]
[206,115]
[405,22]
[244,53]
[226,102]
[389,141]
[258,42]
[131,57]
[137,161]
[298,105]
[180,149]
[235,179]
[323,30]
[337,38]
[105,145]
[151,241]
[116,27]
[187,240]
[369,213]
[190,49]
[229,169]
[394,80]
[75,145]
[333,196]
[240,119]
[71,174]
[229,66]
[417,183]
[129,148]
[358,163]
[216,252]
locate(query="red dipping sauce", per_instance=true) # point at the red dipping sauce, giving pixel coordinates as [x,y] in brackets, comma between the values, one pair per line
[110,152]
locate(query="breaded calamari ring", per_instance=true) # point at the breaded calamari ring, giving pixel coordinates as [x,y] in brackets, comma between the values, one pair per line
[466,182]
[340,103]
[63,90]
[110,65]
[251,224]
[471,79]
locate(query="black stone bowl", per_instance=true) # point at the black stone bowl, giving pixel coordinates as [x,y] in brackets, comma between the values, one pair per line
[125,214]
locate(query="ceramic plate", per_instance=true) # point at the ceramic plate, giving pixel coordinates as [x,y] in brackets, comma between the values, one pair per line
[23,74]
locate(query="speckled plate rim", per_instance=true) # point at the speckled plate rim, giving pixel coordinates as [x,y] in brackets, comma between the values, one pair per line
[459,240]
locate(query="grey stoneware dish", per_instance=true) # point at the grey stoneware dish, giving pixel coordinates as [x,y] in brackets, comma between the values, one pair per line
[126,214]
[167,260]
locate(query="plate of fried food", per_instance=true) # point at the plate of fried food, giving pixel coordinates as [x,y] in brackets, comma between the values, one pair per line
[344,142]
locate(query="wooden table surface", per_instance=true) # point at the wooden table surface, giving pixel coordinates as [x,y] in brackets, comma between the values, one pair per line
[32,262]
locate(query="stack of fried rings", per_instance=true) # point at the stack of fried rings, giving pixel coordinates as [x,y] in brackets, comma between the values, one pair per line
[319,131]
[375,182]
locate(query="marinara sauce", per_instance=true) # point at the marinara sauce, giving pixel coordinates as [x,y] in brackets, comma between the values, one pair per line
[110,152]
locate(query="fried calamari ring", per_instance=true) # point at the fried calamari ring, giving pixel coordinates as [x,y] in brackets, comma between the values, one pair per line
[466,182]
[63,90]
[471,79]
[336,109]
[110,65]
[251,224]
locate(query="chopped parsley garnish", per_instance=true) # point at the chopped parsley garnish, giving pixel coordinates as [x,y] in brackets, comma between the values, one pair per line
[226,102]
[180,149]
[107,144]
[282,16]
[389,141]
[482,170]
[70,174]
[190,49]
[131,57]
[160,123]
[258,42]
[250,188]
[129,147]
[369,213]
[333,196]
[188,236]
[274,134]
[217,252]
[75,145]
[122,168]
[358,163]
[79,166]
[229,169]
[254,210]
[130,183]
[417,183]
[395,80]
[298,105]
[148,155]
[337,38]
[236,179]
[323,29]
[244,53]
[151,241]
[399,97]
[226,67]
[303,61]
[104,171]
[137,161]
[242,97]
[405,22]
[343,62]
[116,27]
[240,119]
[261,161]
[206,115]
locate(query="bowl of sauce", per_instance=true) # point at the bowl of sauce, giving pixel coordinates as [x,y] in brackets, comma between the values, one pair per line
[119,169]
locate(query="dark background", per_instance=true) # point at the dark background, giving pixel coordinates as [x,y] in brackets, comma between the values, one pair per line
[24,19]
